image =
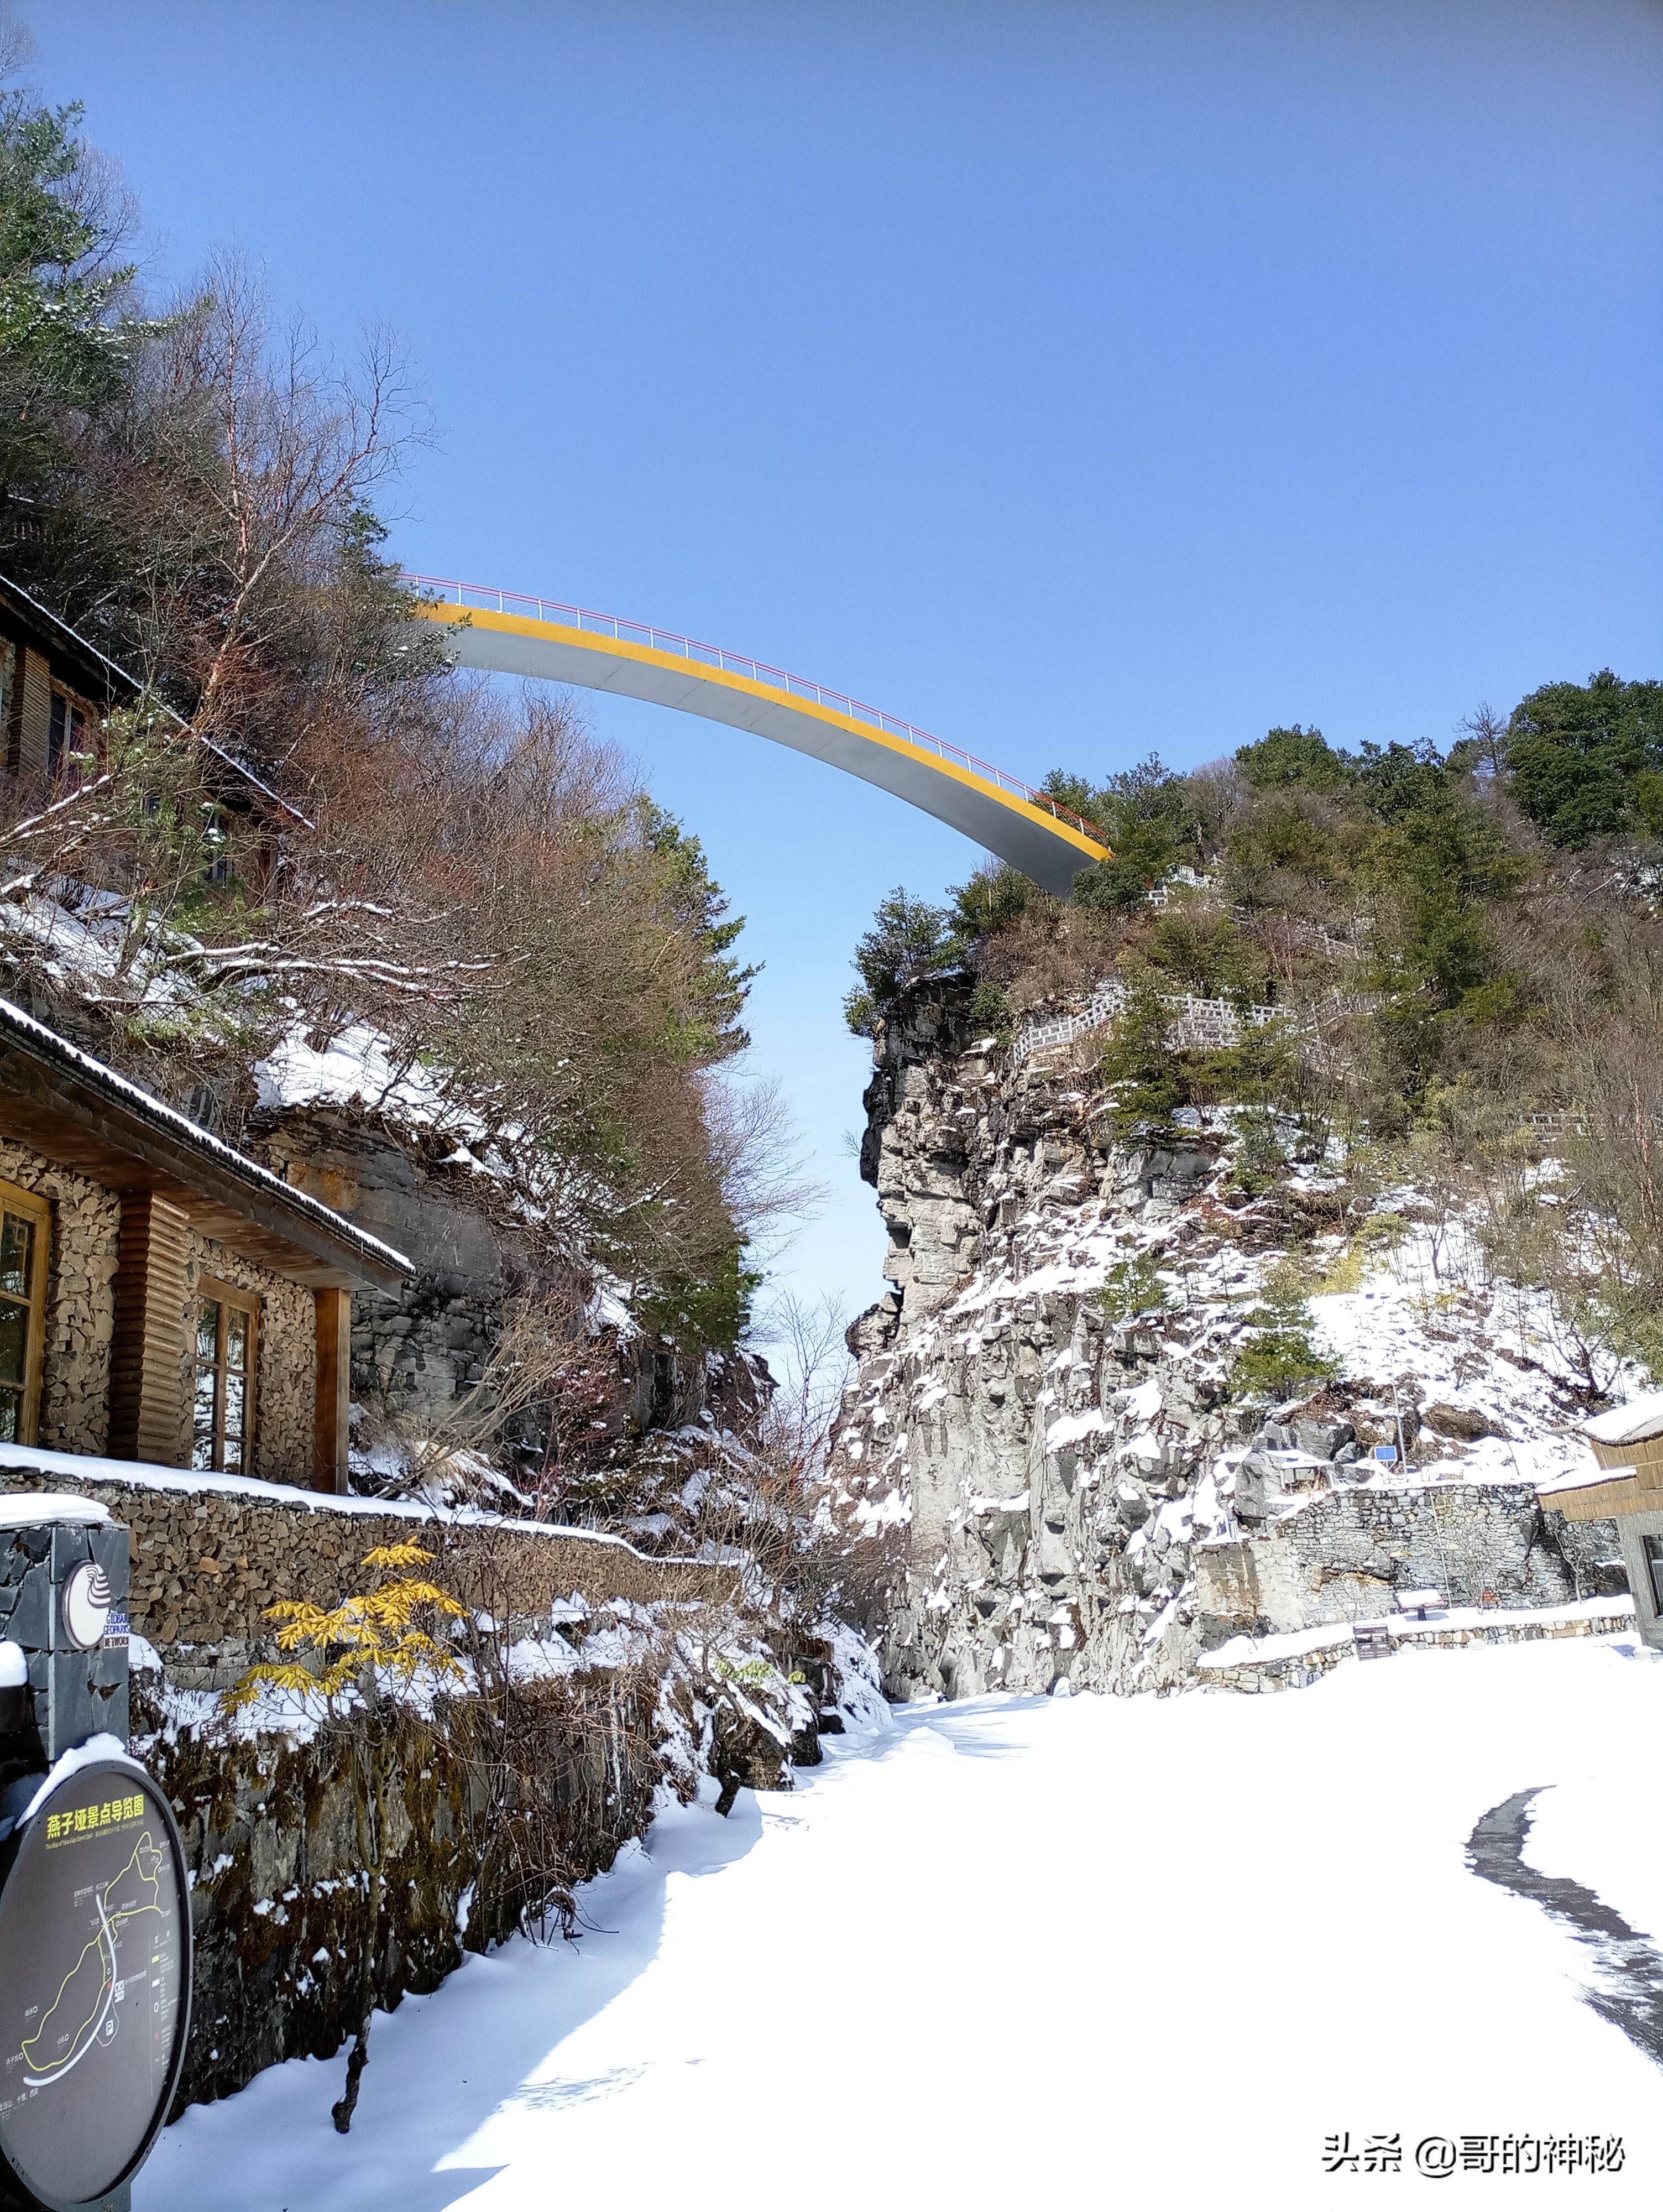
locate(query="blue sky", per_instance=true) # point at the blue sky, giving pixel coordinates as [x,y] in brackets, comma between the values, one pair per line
[1076,381]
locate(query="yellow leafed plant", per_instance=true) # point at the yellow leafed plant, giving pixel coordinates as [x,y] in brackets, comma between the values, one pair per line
[382,1628]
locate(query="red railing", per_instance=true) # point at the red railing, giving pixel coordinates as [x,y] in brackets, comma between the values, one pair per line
[489,598]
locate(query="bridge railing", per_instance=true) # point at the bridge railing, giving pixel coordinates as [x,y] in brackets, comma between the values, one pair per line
[487,599]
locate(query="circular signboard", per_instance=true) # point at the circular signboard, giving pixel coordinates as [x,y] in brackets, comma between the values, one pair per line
[87,1602]
[95,1984]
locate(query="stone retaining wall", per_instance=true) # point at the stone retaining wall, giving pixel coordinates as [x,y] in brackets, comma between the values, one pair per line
[1342,1557]
[208,1558]
[1295,1670]
[273,1832]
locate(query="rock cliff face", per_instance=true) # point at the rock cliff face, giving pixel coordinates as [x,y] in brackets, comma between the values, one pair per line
[421,1347]
[1045,1437]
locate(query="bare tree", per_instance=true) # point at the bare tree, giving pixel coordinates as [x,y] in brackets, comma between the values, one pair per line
[271,452]
[1486,737]
[17,46]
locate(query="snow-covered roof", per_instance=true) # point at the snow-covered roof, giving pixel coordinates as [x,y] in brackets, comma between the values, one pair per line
[45,1045]
[1581,1477]
[1640,1418]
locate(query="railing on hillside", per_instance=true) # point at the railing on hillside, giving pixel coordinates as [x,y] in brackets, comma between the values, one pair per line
[489,599]
[1197,1025]
[1558,1123]
[1208,1025]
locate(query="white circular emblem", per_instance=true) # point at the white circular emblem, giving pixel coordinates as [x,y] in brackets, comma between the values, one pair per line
[87,1600]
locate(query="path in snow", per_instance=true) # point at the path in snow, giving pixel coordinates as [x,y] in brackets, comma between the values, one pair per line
[1628,1973]
[1015,1950]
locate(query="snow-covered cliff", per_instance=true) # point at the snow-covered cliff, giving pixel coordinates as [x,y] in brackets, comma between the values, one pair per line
[1044,1430]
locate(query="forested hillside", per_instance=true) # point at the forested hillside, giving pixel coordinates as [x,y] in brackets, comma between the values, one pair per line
[307,826]
[1446,951]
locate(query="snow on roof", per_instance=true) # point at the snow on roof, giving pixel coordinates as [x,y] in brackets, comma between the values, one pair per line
[1582,1478]
[56,621]
[136,689]
[37,1035]
[1640,1418]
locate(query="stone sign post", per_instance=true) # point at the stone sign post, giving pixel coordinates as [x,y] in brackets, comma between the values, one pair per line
[94,1903]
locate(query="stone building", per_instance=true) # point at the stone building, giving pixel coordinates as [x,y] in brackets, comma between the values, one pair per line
[1625,1484]
[164,1298]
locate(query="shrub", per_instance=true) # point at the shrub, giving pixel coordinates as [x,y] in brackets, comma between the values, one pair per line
[1112,886]
[908,938]
[1280,1355]
[1380,1234]
[1133,1287]
[989,1010]
[1295,755]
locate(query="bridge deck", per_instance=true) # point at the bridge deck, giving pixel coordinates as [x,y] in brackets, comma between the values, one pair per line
[518,636]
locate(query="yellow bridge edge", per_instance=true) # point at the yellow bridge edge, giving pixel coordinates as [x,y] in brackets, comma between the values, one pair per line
[616,648]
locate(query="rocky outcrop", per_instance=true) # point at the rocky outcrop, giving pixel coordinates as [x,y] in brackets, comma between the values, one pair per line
[416,1350]
[1046,1440]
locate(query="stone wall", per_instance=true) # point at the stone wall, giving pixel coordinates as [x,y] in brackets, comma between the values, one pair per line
[86,1247]
[1243,1665]
[208,1556]
[278,1834]
[1344,1555]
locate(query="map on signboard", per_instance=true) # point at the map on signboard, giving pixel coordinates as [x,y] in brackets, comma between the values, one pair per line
[91,1956]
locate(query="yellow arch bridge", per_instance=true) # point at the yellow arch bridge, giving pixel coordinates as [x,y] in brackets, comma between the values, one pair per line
[516,635]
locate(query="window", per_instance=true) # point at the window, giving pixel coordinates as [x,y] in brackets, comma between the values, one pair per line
[12,658]
[218,841]
[1653,1549]
[228,1328]
[25,1238]
[66,735]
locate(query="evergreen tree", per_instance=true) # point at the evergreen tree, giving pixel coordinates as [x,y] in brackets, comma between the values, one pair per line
[1293,756]
[1586,760]
[66,348]
[712,1029]
[908,938]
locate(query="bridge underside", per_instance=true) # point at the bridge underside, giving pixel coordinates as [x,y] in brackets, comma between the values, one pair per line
[1050,851]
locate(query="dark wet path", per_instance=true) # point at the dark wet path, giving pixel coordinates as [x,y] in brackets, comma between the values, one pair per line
[1629,1992]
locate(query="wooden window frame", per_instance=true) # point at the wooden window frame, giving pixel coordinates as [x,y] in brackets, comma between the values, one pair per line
[11,653]
[14,1199]
[220,872]
[66,733]
[248,1302]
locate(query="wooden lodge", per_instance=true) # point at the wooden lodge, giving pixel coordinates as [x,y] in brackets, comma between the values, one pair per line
[163,1297]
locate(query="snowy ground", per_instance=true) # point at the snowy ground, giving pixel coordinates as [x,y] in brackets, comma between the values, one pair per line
[1070,1952]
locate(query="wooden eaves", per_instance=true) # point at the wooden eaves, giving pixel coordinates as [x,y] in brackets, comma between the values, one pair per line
[108,685]
[81,1114]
